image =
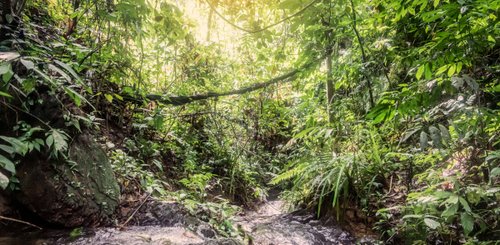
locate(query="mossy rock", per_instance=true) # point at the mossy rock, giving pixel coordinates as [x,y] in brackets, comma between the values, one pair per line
[81,191]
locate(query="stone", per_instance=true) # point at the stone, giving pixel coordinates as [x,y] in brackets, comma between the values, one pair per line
[206,231]
[79,192]
[158,213]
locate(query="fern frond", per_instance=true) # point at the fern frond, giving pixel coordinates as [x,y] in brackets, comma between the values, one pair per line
[290,174]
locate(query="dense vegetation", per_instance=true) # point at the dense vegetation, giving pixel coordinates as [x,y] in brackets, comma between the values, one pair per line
[380,112]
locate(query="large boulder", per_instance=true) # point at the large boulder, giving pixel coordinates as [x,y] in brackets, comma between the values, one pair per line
[79,191]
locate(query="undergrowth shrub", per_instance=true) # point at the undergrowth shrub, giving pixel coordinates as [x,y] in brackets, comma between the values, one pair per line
[321,177]
[134,174]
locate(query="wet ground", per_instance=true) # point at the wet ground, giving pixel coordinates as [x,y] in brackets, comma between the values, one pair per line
[271,224]
[168,224]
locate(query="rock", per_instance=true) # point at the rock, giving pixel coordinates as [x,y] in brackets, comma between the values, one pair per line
[158,213]
[79,192]
[206,231]
[222,241]
[138,235]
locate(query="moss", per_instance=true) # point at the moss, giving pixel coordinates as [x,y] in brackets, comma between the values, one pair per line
[81,194]
[96,174]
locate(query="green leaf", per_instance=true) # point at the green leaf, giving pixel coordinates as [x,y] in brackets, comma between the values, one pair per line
[442,194]
[19,146]
[459,67]
[467,222]
[495,172]
[5,67]
[7,149]
[28,64]
[423,140]
[428,72]
[303,133]
[473,197]
[453,199]
[471,82]
[49,141]
[9,18]
[436,3]
[3,94]
[412,216]
[491,39]
[4,181]
[109,98]
[69,69]
[7,164]
[435,136]
[411,10]
[128,90]
[7,76]
[465,204]
[457,82]
[58,139]
[445,134]
[61,72]
[442,69]
[44,76]
[450,210]
[158,121]
[409,133]
[119,97]
[451,70]
[420,71]
[76,97]
[431,223]
[424,4]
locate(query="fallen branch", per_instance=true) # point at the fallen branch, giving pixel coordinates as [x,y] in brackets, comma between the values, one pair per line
[122,226]
[20,221]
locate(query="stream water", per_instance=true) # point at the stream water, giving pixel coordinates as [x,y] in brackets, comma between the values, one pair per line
[271,224]
[167,224]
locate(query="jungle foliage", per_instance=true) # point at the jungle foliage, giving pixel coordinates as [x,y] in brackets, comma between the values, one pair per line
[388,108]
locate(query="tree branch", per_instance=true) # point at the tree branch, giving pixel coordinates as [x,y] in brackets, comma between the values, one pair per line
[182,100]
[265,27]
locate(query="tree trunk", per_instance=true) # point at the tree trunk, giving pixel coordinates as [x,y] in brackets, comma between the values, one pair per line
[209,23]
[329,85]
[363,54]
[72,22]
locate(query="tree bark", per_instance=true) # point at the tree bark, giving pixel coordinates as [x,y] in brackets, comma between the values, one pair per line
[329,85]
[363,54]
[72,22]
[209,23]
